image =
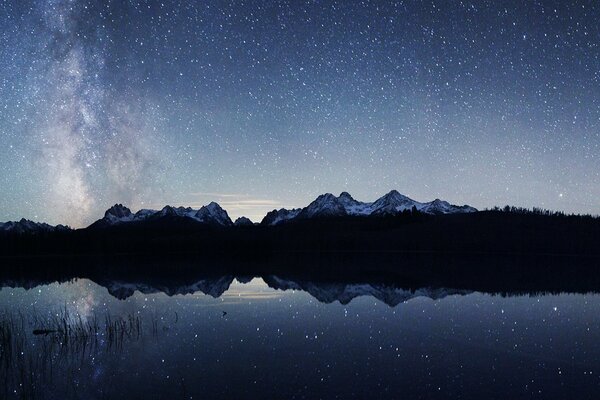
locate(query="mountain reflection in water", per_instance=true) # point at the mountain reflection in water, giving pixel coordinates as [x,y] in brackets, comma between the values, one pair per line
[325,292]
[277,336]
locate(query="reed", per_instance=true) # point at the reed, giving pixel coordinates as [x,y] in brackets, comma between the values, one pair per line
[34,346]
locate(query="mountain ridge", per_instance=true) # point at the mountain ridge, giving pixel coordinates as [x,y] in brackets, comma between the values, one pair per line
[325,205]
[391,203]
[25,226]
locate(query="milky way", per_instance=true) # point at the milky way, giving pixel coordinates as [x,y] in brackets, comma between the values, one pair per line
[261,104]
[88,133]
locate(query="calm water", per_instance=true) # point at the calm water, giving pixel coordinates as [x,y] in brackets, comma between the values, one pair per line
[249,340]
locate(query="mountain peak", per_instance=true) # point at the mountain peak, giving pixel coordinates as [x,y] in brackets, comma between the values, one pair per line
[392,203]
[243,221]
[214,206]
[394,194]
[326,205]
[168,210]
[353,206]
[345,195]
[117,211]
[326,197]
[213,213]
[279,216]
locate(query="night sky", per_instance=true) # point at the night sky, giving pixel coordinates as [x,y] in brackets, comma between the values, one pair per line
[267,104]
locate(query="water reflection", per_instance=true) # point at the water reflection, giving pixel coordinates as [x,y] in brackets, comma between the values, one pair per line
[276,337]
[325,292]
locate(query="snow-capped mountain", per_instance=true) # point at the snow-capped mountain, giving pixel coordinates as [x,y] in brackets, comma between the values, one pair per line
[118,213]
[354,207]
[326,205]
[276,217]
[392,203]
[210,214]
[213,214]
[169,211]
[438,206]
[27,226]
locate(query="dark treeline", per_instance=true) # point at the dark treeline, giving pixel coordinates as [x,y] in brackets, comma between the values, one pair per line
[541,211]
[512,232]
[497,251]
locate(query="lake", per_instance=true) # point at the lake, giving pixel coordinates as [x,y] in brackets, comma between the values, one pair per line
[268,337]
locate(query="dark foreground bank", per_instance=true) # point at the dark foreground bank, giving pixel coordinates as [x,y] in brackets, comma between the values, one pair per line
[482,233]
[485,251]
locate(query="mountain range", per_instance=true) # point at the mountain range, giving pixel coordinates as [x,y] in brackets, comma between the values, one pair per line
[25,226]
[216,286]
[392,203]
[211,214]
[325,206]
[324,292]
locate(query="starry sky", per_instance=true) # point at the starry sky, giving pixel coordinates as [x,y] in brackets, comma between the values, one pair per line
[267,104]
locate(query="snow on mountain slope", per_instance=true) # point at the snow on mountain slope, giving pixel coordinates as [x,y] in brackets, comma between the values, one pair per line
[209,214]
[143,214]
[354,207]
[276,217]
[443,207]
[392,203]
[214,214]
[326,205]
[169,211]
[118,213]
